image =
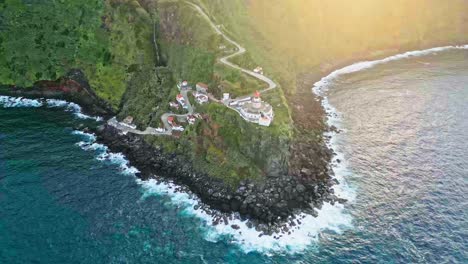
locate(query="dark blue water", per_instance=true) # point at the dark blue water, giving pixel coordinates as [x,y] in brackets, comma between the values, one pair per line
[405,146]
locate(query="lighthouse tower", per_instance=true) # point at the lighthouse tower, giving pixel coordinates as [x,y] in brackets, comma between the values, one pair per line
[256,101]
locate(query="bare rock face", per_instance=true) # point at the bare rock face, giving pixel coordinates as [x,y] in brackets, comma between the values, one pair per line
[72,87]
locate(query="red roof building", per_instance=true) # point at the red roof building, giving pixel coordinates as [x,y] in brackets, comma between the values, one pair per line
[170,119]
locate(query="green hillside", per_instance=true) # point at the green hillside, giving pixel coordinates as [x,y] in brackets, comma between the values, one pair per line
[112,41]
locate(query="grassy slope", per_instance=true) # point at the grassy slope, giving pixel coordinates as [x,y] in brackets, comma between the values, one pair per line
[290,37]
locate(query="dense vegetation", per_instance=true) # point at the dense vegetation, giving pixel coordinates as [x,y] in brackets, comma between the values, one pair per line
[112,42]
[108,40]
[44,40]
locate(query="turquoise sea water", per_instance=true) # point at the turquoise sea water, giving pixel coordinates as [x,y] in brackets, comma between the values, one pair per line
[404,146]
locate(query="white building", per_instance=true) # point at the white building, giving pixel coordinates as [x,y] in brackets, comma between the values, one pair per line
[257,111]
[258,70]
[183,85]
[201,98]
[174,105]
[191,119]
[180,98]
[128,122]
[264,121]
[178,128]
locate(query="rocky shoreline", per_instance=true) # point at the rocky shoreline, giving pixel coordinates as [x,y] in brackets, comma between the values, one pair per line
[268,204]
[72,87]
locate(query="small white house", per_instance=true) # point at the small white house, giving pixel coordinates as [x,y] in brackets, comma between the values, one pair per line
[226,96]
[258,70]
[201,98]
[178,128]
[174,105]
[128,122]
[191,119]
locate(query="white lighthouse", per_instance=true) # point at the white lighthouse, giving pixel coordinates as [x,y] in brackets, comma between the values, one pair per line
[257,111]
[256,100]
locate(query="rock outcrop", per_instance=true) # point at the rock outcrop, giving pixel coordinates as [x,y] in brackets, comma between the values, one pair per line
[72,87]
[271,200]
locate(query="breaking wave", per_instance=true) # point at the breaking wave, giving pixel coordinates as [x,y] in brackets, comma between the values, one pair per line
[339,164]
[10,102]
[103,154]
[321,86]
[235,230]
[248,239]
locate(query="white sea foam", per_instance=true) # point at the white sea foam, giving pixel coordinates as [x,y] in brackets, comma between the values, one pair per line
[341,169]
[70,107]
[10,102]
[89,136]
[321,86]
[304,234]
[103,154]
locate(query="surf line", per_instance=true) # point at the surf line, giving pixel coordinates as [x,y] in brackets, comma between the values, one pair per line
[339,164]
[17,102]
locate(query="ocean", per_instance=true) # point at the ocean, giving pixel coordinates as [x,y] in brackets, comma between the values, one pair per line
[401,162]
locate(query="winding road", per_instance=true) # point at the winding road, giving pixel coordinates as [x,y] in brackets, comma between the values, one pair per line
[225,60]
[164,118]
[240,50]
